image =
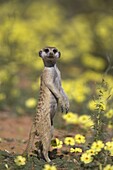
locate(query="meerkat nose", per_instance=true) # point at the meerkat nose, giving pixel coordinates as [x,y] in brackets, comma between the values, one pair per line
[51,54]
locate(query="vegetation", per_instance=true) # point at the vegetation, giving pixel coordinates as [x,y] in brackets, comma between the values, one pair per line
[83,33]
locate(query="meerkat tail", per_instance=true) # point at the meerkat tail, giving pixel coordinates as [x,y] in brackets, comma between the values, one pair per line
[30,141]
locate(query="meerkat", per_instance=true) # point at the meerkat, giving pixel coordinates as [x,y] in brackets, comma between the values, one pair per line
[51,95]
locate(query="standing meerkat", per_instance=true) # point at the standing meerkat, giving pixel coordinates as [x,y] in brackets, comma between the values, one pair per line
[51,94]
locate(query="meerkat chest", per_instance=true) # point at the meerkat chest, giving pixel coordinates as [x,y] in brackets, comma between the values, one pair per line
[50,78]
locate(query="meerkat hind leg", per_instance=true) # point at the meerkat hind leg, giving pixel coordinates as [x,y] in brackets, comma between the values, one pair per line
[39,149]
[46,142]
[45,153]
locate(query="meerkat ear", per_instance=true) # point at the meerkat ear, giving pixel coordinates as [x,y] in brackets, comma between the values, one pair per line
[59,54]
[40,53]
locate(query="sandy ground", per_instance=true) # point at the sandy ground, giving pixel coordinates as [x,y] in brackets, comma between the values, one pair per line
[14,132]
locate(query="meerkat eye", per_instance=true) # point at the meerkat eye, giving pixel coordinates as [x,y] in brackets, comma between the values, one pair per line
[46,50]
[55,50]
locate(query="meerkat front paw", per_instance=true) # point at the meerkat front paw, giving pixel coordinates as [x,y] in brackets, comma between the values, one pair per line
[64,106]
[67,105]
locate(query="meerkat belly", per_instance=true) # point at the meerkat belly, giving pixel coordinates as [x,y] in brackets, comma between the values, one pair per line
[53,105]
[47,103]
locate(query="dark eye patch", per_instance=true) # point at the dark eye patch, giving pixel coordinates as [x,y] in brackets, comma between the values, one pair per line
[46,50]
[55,51]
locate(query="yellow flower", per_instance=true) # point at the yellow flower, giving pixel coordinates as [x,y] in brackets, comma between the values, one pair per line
[92,105]
[20,160]
[78,150]
[86,158]
[72,150]
[86,121]
[92,62]
[108,167]
[80,94]
[31,103]
[69,141]
[97,146]
[111,152]
[70,118]
[109,114]
[80,97]
[89,124]
[91,152]
[49,167]
[110,125]
[56,143]
[80,138]
[109,146]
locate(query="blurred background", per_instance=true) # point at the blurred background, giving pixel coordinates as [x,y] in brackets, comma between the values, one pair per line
[81,29]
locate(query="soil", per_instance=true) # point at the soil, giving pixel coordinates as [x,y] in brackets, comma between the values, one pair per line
[14,132]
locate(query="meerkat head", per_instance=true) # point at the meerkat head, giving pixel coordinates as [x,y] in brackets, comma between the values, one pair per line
[49,53]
